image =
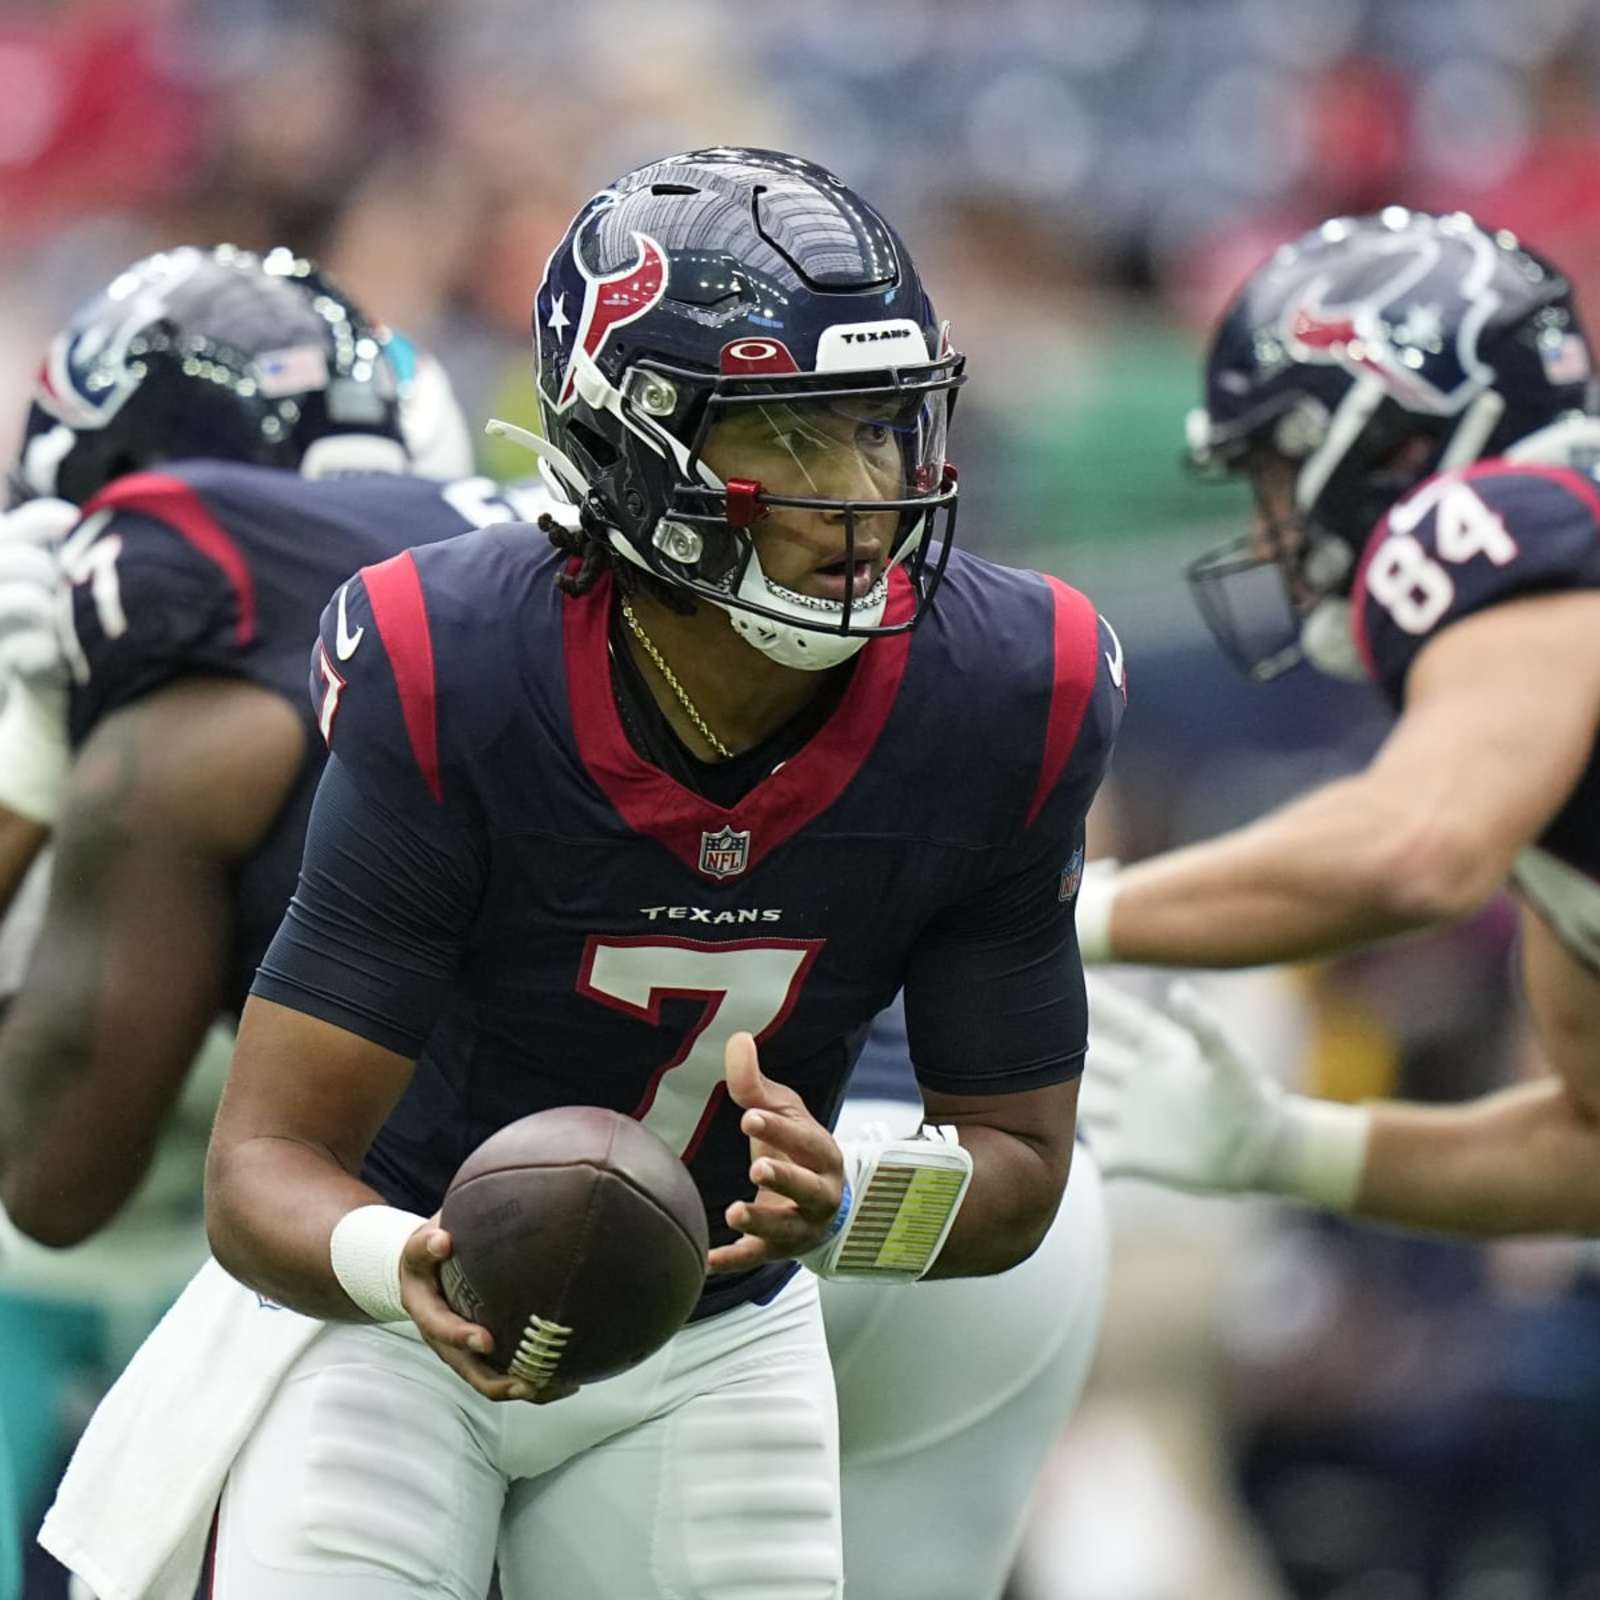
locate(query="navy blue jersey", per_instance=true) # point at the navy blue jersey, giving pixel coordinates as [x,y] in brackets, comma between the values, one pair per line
[883,1070]
[216,568]
[1458,544]
[497,883]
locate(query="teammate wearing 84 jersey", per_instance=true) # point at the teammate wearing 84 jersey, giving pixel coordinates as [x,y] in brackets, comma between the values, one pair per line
[1414,403]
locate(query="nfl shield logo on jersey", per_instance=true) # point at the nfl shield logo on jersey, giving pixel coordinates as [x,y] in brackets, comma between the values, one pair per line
[1071,876]
[724,854]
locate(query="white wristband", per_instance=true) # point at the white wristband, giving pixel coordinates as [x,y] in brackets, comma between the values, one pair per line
[1324,1152]
[1097,894]
[365,1247]
[34,756]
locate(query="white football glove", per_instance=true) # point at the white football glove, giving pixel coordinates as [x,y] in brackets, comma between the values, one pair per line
[1167,1097]
[34,754]
[1097,893]
[30,589]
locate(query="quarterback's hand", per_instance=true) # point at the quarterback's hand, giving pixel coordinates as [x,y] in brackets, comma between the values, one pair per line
[460,1344]
[795,1165]
[1168,1097]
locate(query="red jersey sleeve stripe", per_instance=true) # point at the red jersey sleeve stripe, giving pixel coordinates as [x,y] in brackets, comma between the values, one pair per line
[1077,656]
[172,502]
[394,590]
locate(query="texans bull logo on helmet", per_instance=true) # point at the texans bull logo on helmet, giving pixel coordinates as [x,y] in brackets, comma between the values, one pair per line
[606,303]
[86,374]
[1396,330]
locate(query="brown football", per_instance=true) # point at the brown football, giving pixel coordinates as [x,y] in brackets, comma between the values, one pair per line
[578,1240]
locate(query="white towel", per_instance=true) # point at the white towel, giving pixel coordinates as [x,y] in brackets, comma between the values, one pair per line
[134,1509]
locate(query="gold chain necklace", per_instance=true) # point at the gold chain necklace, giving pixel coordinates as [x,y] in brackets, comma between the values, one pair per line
[672,683]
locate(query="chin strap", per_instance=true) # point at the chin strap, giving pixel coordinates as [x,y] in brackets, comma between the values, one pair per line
[551,460]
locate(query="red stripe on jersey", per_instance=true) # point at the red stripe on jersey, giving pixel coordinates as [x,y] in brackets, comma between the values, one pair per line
[172,502]
[656,805]
[394,590]
[1077,648]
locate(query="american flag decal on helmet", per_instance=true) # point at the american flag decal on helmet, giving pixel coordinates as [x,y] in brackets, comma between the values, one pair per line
[300,369]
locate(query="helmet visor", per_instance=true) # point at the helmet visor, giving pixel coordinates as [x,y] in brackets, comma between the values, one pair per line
[859,461]
[866,450]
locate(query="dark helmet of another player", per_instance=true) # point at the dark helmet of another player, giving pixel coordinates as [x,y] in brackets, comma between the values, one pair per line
[696,288]
[1368,354]
[210,353]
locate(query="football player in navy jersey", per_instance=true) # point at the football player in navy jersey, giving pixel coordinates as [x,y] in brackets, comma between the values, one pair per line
[213,442]
[658,819]
[1412,398]
[167,412]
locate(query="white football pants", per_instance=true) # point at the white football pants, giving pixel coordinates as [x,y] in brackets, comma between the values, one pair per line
[708,1473]
[951,1394]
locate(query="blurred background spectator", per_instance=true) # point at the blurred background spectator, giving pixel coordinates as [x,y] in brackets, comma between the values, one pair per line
[1283,1407]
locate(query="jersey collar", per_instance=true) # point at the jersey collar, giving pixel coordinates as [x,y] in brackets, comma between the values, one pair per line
[797,792]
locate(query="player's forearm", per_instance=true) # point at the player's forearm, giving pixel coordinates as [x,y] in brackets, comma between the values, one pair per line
[1221,908]
[80,1112]
[271,1207]
[1016,1188]
[95,1049]
[1327,874]
[1526,1160]
[64,1182]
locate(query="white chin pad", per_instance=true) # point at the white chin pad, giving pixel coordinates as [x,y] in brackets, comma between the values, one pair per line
[797,644]
[803,648]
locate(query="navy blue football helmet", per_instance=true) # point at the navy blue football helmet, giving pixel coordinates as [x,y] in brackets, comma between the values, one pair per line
[220,354]
[1368,354]
[712,285]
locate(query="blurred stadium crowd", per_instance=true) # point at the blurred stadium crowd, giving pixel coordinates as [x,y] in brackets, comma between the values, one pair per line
[1284,1407]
